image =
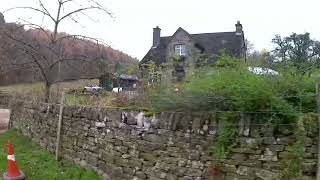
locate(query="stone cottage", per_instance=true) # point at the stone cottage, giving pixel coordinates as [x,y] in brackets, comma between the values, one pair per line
[183,44]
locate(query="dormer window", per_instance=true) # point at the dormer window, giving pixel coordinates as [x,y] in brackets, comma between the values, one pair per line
[180,49]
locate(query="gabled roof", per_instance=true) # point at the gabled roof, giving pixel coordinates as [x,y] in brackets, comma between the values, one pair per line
[206,42]
[128,77]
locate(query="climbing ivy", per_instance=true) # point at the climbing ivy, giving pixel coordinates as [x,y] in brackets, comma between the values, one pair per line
[294,164]
[225,134]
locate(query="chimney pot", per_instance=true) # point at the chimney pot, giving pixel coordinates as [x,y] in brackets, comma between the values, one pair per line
[239,29]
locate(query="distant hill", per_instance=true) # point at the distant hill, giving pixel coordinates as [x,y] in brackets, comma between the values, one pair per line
[86,58]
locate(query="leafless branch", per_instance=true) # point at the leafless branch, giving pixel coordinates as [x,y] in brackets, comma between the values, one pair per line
[30,8]
[45,56]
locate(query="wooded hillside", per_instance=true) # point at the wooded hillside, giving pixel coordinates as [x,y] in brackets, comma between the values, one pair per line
[83,58]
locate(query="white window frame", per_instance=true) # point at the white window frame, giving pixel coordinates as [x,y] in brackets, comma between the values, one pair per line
[180,49]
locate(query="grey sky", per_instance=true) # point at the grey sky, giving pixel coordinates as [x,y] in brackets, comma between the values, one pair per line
[131,29]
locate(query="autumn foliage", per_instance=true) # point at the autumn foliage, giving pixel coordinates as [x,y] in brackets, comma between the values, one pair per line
[83,57]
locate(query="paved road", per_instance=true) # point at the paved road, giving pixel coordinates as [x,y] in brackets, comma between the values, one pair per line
[4,119]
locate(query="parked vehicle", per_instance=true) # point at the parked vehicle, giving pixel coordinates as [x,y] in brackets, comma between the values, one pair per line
[263,71]
[92,88]
[117,89]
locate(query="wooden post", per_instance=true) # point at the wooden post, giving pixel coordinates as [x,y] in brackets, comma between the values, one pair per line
[318,114]
[59,127]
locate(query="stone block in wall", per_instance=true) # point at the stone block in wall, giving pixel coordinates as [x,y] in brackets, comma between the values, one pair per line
[238,157]
[309,155]
[266,174]
[114,115]
[250,142]
[147,164]
[189,172]
[133,152]
[154,178]
[121,149]
[181,171]
[72,111]
[146,146]
[129,171]
[313,149]
[113,170]
[251,163]
[285,155]
[154,138]
[135,163]
[269,140]
[149,157]
[108,157]
[245,171]
[309,167]
[195,164]
[312,132]
[192,154]
[164,120]
[276,147]
[269,155]
[176,161]
[268,158]
[140,175]
[178,122]
[285,140]
[186,178]
[308,141]
[304,178]
[233,176]
[131,118]
[170,176]
[273,165]
[245,150]
[121,162]
[160,165]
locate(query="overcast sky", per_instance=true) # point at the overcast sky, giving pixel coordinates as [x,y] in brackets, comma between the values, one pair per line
[131,28]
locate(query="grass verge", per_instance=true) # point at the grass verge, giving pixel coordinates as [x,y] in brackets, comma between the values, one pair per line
[38,163]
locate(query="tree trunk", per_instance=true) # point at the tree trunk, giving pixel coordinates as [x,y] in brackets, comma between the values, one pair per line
[47,92]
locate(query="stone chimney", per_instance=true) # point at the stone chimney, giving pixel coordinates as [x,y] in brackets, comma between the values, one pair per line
[156,36]
[239,29]
[2,21]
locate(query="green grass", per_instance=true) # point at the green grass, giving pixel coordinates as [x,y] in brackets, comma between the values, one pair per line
[35,91]
[38,163]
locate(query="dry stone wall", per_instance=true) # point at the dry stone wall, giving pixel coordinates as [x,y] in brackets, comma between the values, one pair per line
[123,144]
[4,100]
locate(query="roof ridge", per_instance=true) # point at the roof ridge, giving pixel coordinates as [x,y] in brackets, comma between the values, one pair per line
[214,33]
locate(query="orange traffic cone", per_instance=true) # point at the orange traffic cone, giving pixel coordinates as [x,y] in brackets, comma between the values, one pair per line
[13,172]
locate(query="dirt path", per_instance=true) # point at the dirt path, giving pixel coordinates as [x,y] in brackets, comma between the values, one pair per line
[4,119]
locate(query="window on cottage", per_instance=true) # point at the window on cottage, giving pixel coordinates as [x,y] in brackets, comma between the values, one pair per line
[180,49]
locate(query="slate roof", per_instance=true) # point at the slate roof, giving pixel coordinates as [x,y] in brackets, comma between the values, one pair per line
[128,77]
[207,42]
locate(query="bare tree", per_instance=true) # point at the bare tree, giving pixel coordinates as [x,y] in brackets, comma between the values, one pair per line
[46,56]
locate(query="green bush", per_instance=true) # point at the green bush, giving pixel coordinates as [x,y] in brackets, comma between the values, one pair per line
[234,88]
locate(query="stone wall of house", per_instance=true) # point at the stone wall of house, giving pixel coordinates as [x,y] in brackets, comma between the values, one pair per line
[181,37]
[123,144]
